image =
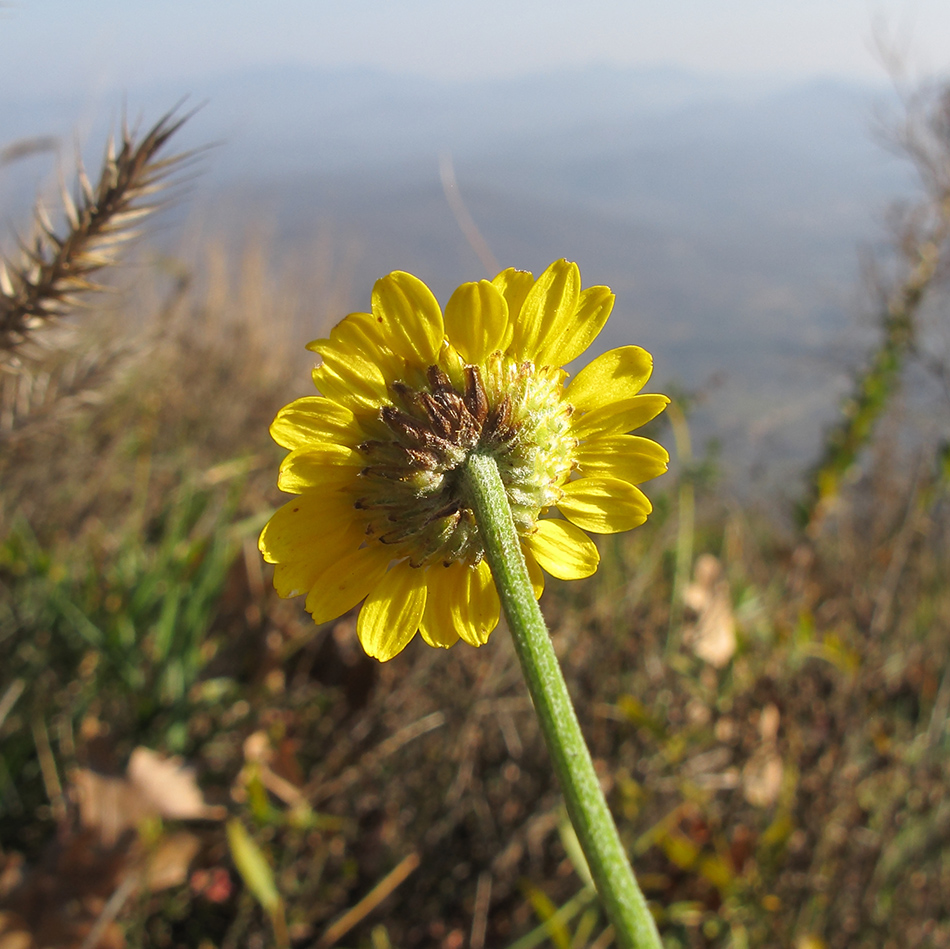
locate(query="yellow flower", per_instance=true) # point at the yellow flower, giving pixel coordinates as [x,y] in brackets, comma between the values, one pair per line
[407,393]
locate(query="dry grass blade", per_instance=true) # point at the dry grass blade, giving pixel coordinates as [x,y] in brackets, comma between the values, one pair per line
[26,147]
[342,925]
[55,384]
[52,270]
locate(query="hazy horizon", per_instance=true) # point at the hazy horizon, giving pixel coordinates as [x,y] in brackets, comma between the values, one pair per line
[107,45]
[726,214]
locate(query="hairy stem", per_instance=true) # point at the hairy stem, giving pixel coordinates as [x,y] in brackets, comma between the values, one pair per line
[586,806]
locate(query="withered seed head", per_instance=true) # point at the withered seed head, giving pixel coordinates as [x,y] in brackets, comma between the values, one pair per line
[475,399]
[413,433]
[497,428]
[439,412]
[438,380]
[412,486]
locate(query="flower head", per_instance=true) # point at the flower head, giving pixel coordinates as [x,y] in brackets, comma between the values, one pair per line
[408,393]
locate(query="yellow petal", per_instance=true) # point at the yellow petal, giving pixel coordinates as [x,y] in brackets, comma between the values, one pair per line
[476,320]
[359,386]
[477,611]
[604,505]
[547,310]
[462,602]
[359,342]
[306,523]
[444,588]
[321,466]
[535,573]
[453,365]
[627,457]
[593,308]
[392,612]
[617,417]
[295,579]
[360,331]
[513,286]
[313,419]
[564,550]
[346,581]
[350,363]
[357,348]
[614,376]
[298,578]
[410,317]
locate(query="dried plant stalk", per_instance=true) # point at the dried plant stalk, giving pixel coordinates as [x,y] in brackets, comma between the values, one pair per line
[922,248]
[49,387]
[52,271]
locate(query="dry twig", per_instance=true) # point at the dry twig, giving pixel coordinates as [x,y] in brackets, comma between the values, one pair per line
[52,271]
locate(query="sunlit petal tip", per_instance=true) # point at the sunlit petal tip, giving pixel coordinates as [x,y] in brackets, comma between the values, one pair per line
[289,534]
[594,306]
[510,278]
[478,611]
[319,466]
[604,505]
[547,310]
[514,286]
[437,635]
[625,457]
[393,610]
[564,550]
[476,320]
[410,317]
[314,418]
[341,331]
[614,376]
[619,417]
[296,579]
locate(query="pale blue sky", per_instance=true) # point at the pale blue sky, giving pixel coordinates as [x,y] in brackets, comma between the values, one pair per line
[104,44]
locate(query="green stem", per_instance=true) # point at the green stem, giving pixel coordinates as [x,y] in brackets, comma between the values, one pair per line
[586,806]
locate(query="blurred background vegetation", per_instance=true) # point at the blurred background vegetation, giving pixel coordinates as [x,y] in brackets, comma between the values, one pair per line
[185,760]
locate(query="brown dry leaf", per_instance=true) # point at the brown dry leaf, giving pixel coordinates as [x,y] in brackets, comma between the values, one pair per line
[14,933]
[769,720]
[713,636]
[167,865]
[763,772]
[63,904]
[108,806]
[707,572]
[11,874]
[762,778]
[61,901]
[169,787]
[155,787]
[60,905]
[20,939]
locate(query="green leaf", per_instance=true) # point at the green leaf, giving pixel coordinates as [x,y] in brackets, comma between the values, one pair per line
[253,867]
[547,912]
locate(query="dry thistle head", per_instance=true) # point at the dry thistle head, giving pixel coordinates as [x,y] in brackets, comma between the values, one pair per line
[52,271]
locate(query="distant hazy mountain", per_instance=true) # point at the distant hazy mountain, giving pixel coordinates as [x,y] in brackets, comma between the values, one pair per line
[725,213]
